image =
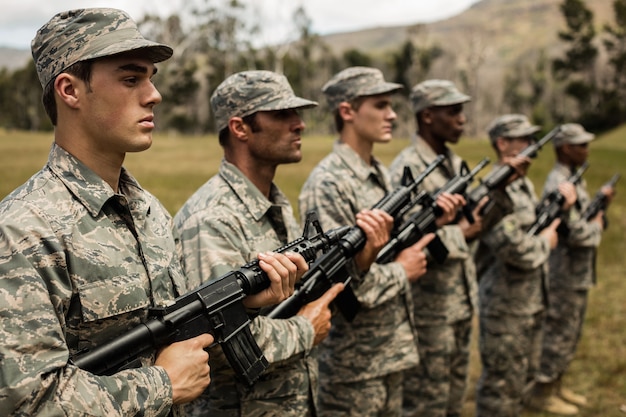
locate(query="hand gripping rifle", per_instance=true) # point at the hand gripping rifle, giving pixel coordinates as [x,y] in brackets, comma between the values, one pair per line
[599,202]
[331,267]
[499,177]
[549,208]
[424,220]
[215,307]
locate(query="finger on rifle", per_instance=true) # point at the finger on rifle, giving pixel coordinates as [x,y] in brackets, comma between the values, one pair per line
[555,223]
[424,241]
[482,203]
[299,261]
[205,340]
[330,295]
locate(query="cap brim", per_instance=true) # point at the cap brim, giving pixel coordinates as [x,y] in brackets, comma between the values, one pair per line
[382,88]
[522,132]
[287,103]
[156,52]
[451,101]
[584,138]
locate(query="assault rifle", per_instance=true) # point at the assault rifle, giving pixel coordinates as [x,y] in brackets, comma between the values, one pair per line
[424,220]
[499,177]
[331,267]
[215,307]
[549,208]
[599,202]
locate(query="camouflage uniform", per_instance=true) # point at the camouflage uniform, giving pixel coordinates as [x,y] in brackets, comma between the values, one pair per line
[380,341]
[445,299]
[572,271]
[512,271]
[361,362]
[224,225]
[446,296]
[80,263]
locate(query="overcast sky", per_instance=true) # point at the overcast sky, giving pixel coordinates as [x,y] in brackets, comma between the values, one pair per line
[20,19]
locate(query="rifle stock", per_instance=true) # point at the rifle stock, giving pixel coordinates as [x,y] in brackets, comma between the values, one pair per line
[331,267]
[215,307]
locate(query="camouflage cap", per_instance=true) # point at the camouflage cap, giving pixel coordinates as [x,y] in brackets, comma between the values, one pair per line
[356,82]
[572,134]
[248,92]
[435,93]
[82,34]
[511,126]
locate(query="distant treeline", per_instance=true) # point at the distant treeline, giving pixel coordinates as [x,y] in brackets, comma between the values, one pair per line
[587,83]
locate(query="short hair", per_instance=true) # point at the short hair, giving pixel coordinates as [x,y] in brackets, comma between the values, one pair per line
[250,120]
[81,70]
[355,103]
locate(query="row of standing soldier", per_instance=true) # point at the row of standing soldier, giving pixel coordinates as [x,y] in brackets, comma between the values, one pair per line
[89,250]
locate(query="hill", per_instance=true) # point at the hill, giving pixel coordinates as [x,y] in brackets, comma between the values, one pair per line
[484,44]
[12,59]
[510,27]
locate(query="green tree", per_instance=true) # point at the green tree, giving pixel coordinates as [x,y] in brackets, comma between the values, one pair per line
[576,70]
[355,57]
[614,92]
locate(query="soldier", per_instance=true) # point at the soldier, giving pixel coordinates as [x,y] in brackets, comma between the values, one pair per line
[572,274]
[240,213]
[85,249]
[361,362]
[512,272]
[445,297]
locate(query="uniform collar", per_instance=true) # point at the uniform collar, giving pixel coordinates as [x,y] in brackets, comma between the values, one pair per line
[251,197]
[355,163]
[91,190]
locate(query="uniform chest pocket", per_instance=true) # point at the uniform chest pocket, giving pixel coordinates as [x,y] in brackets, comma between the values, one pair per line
[112,297]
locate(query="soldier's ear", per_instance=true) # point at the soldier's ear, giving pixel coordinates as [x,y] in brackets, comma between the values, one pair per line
[238,129]
[345,110]
[501,145]
[68,89]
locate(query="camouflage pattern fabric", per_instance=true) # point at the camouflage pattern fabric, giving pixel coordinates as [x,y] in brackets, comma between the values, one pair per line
[436,387]
[378,396]
[511,126]
[224,225]
[380,340]
[356,82]
[79,265]
[432,93]
[443,298]
[83,34]
[248,92]
[509,351]
[572,274]
[512,277]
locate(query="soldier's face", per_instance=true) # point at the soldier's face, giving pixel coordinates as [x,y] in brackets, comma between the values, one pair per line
[577,154]
[446,122]
[117,107]
[278,137]
[373,119]
[513,146]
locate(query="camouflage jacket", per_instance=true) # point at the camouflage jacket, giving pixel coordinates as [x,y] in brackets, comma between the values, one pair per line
[512,266]
[79,264]
[224,225]
[447,292]
[380,340]
[572,262]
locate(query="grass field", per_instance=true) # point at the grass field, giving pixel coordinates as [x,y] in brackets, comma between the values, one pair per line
[176,166]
